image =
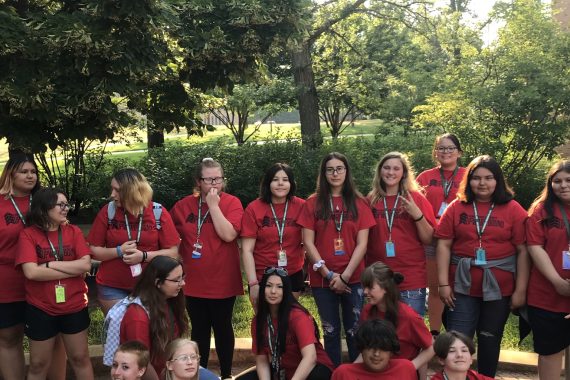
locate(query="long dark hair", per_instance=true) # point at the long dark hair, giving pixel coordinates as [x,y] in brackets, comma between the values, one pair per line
[379,273]
[349,192]
[44,200]
[14,163]
[288,302]
[444,341]
[153,298]
[547,196]
[502,194]
[265,186]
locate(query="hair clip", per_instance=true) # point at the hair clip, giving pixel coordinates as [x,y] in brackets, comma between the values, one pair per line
[207,159]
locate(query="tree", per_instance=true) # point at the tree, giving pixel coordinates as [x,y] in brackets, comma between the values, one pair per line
[512,99]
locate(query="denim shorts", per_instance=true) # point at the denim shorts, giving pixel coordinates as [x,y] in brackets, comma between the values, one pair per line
[109,293]
[416,299]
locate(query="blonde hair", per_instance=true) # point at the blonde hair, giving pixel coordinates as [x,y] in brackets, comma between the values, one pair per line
[207,163]
[134,190]
[174,346]
[407,183]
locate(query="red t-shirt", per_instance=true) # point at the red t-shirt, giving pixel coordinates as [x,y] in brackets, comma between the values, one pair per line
[412,331]
[12,278]
[135,325]
[258,223]
[115,272]
[410,259]
[430,180]
[400,369]
[34,247]
[326,233]
[471,375]
[505,230]
[300,333]
[552,237]
[216,274]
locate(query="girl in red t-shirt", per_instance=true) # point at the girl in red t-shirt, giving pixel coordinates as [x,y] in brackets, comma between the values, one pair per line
[482,238]
[270,235]
[455,353]
[159,289]
[285,336]
[380,286]
[335,224]
[548,240]
[209,223]
[404,224]
[54,257]
[440,185]
[126,239]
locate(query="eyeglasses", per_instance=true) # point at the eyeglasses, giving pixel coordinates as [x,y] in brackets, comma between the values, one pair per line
[446,149]
[280,271]
[338,169]
[186,358]
[179,281]
[212,181]
[63,206]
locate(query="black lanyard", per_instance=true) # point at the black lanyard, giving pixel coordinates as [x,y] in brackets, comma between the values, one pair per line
[18,209]
[338,225]
[60,244]
[129,227]
[273,341]
[201,219]
[280,227]
[480,229]
[445,184]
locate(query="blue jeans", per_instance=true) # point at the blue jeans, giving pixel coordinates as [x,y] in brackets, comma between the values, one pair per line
[328,303]
[416,299]
[486,318]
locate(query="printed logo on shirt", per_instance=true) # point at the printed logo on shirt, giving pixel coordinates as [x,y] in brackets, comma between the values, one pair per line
[470,219]
[44,253]
[121,225]
[437,183]
[555,222]
[11,218]
[380,214]
[269,221]
[346,215]
[193,218]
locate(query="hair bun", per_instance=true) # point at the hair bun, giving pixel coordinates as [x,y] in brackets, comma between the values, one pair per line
[205,159]
[398,278]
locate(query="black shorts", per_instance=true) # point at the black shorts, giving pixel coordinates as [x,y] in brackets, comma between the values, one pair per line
[550,331]
[297,281]
[12,314]
[42,326]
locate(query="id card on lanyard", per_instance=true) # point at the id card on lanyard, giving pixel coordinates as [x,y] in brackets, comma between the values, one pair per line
[136,269]
[338,243]
[197,251]
[59,287]
[281,254]
[390,247]
[480,253]
[446,185]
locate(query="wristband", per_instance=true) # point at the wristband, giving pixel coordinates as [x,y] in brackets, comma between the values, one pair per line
[318,265]
[342,279]
[420,218]
[329,275]
[119,252]
[47,264]
[253,283]
[442,286]
[145,255]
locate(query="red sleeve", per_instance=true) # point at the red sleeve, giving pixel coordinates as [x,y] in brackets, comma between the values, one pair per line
[98,233]
[234,213]
[425,207]
[519,216]
[365,217]
[446,227]
[168,235]
[26,248]
[79,243]
[535,232]
[135,325]
[302,326]
[249,224]
[307,217]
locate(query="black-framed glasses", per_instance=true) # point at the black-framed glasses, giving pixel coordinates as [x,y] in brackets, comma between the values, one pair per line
[212,180]
[185,358]
[338,169]
[446,149]
[177,280]
[63,206]
[280,271]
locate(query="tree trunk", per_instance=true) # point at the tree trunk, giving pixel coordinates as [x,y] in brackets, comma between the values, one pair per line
[155,138]
[307,96]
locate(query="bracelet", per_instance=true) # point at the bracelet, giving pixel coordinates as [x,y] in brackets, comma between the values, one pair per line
[329,275]
[47,264]
[318,265]
[119,252]
[145,256]
[442,286]
[253,283]
[420,218]
[342,279]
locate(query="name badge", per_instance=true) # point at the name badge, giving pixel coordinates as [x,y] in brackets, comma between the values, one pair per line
[390,249]
[339,247]
[197,252]
[136,270]
[59,293]
[480,256]
[282,258]
[442,209]
[565,259]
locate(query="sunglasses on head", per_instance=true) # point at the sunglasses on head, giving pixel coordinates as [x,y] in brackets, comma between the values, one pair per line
[280,271]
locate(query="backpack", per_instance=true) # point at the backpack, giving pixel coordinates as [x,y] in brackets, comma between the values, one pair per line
[112,327]
[156,210]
